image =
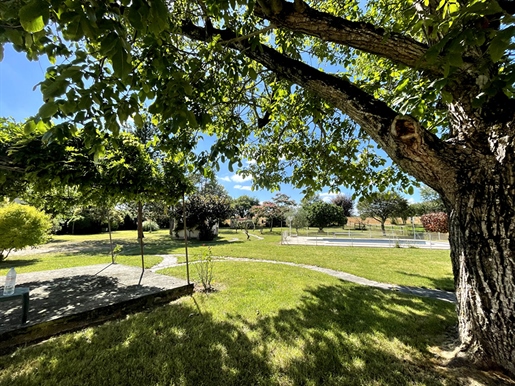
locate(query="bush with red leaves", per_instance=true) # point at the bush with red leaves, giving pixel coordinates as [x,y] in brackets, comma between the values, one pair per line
[435,222]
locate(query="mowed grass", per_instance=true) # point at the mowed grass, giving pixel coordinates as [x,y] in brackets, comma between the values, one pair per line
[69,251]
[267,324]
[403,266]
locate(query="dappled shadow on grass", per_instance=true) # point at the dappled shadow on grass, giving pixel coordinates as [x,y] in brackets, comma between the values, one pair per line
[153,244]
[58,297]
[445,284]
[336,335]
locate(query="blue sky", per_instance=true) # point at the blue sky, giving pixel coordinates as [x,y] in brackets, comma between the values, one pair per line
[20,99]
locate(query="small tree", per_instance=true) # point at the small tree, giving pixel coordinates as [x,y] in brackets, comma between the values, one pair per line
[243,204]
[382,206]
[435,222]
[321,214]
[268,210]
[22,226]
[299,218]
[203,212]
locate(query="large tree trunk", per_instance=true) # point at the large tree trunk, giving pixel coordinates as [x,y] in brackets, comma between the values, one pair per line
[482,237]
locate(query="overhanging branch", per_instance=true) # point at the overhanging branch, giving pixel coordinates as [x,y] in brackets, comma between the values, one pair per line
[299,17]
[413,148]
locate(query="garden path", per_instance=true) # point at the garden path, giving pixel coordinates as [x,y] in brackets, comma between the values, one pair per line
[171,261]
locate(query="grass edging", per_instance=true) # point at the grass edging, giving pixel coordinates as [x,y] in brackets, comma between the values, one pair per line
[42,331]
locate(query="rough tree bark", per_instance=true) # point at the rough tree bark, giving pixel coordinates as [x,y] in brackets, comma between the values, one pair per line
[482,228]
[473,170]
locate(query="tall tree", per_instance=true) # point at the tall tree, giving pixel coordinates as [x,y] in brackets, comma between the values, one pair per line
[430,82]
[284,203]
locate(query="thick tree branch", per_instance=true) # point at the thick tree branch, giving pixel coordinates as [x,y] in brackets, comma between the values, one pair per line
[366,37]
[405,141]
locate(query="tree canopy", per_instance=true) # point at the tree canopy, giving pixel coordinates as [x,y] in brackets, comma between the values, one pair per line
[382,206]
[309,90]
[243,204]
[322,214]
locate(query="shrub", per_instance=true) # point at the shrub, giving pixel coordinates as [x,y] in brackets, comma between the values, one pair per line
[435,222]
[22,226]
[150,226]
[204,268]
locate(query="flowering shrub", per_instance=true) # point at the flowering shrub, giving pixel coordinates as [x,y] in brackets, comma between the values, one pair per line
[435,222]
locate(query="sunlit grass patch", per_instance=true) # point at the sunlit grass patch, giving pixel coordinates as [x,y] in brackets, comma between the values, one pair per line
[268,324]
[44,262]
[411,267]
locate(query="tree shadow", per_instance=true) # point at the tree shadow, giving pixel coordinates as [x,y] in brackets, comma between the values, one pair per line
[445,284]
[332,334]
[17,262]
[55,298]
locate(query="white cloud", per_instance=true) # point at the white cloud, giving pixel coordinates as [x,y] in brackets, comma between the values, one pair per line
[251,162]
[243,187]
[327,196]
[236,178]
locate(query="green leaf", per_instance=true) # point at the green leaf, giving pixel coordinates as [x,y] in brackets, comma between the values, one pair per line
[34,15]
[15,37]
[191,118]
[138,120]
[252,73]
[159,15]
[29,127]
[109,44]
[402,85]
[500,43]
[47,137]
[446,97]
[455,59]
[54,89]
[121,65]
[48,110]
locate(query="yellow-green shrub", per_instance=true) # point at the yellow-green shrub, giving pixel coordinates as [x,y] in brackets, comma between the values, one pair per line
[22,226]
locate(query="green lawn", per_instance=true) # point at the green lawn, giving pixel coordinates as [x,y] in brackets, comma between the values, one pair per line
[404,266]
[267,324]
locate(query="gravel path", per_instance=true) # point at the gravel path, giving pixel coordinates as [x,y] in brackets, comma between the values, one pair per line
[171,261]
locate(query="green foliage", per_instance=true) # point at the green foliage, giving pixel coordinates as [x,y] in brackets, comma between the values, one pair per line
[322,214]
[267,210]
[113,64]
[21,226]
[382,206]
[299,218]
[150,226]
[203,213]
[242,205]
